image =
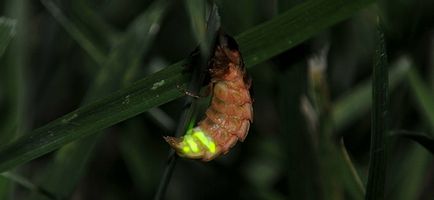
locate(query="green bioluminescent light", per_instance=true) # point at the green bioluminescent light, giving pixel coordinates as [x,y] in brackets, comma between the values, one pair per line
[186,149]
[205,140]
[195,141]
[190,141]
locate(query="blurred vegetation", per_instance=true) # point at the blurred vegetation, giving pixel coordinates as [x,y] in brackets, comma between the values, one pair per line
[88,89]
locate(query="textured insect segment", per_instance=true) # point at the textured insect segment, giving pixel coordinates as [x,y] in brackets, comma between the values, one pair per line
[230,112]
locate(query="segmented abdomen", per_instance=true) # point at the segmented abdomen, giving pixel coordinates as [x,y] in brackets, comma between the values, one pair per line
[229,116]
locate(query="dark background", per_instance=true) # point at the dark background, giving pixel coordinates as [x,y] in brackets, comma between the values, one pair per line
[45,73]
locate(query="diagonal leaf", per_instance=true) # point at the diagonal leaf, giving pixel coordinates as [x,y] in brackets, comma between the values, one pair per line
[7,32]
[257,45]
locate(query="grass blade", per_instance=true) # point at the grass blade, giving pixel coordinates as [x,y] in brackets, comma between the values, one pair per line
[257,45]
[380,103]
[7,32]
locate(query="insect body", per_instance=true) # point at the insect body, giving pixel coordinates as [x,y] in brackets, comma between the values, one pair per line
[230,112]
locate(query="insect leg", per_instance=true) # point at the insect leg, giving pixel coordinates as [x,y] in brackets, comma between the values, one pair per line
[187,92]
[204,93]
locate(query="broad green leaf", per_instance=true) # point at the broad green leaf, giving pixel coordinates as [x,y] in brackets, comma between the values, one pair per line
[257,45]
